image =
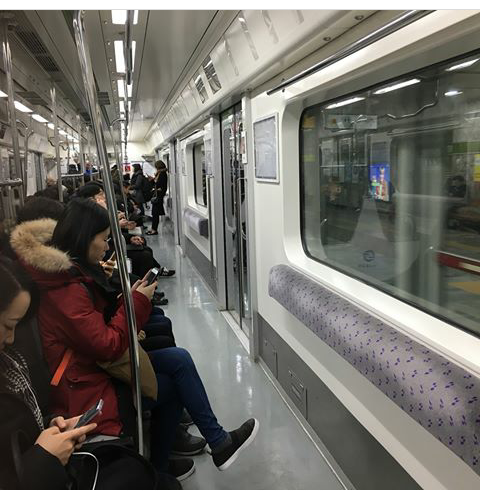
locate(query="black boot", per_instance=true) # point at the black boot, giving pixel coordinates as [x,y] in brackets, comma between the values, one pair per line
[186,444]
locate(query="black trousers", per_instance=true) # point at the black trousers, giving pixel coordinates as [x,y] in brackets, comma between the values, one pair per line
[142,260]
[157,211]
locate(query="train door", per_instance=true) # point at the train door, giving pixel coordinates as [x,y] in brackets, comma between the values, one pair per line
[235,215]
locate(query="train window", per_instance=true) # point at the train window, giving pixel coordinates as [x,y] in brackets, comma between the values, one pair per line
[211,74]
[390,187]
[199,174]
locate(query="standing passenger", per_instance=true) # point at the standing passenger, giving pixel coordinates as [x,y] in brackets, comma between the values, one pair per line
[161,182]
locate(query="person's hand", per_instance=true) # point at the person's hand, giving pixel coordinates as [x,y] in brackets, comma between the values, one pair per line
[121,215]
[61,444]
[66,425]
[108,267]
[147,290]
[141,335]
[137,240]
[131,225]
[123,222]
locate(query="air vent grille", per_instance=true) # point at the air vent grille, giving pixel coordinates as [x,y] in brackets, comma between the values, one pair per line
[103,98]
[36,48]
[32,97]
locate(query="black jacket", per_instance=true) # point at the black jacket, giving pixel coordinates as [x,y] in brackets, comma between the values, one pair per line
[25,465]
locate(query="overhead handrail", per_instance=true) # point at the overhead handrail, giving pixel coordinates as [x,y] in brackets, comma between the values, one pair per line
[95,114]
[392,26]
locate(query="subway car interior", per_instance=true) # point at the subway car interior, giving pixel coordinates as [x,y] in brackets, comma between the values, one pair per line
[240,249]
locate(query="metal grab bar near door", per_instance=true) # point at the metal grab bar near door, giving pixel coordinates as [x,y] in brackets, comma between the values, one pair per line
[210,226]
[240,237]
[95,113]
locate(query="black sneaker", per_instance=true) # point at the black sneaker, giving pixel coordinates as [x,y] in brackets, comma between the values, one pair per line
[159,301]
[186,444]
[186,419]
[165,272]
[181,468]
[241,438]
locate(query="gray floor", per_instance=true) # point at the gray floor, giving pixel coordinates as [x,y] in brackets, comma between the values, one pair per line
[282,456]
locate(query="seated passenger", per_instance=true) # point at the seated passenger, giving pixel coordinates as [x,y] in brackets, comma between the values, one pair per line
[37,454]
[71,316]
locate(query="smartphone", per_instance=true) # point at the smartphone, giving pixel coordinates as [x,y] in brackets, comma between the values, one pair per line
[113,257]
[86,417]
[152,276]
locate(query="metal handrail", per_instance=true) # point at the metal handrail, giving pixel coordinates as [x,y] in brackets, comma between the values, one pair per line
[53,96]
[95,113]
[392,26]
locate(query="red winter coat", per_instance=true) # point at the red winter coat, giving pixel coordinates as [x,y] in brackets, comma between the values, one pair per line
[68,318]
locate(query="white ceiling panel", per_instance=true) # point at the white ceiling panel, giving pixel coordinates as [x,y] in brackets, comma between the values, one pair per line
[170,40]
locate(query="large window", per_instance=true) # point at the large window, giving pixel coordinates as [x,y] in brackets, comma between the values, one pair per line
[199,174]
[390,187]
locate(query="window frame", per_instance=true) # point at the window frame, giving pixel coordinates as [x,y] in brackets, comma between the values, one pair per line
[199,144]
[301,184]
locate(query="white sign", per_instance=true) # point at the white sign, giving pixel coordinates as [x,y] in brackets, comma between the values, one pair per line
[266,149]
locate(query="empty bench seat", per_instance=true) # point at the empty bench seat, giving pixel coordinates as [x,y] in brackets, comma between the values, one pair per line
[441,396]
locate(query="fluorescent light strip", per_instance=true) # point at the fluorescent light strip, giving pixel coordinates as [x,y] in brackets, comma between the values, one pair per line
[22,108]
[345,102]
[119,56]
[403,84]
[39,118]
[120,16]
[463,65]
[3,95]
[51,126]
[62,132]
[453,92]
[121,88]
[121,105]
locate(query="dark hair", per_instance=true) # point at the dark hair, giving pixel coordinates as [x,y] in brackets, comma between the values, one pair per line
[159,165]
[37,207]
[13,280]
[137,167]
[81,221]
[49,192]
[88,191]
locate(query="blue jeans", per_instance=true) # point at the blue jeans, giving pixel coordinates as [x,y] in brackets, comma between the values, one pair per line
[179,385]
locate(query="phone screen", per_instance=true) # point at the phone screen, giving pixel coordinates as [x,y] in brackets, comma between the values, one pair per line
[152,276]
[86,417]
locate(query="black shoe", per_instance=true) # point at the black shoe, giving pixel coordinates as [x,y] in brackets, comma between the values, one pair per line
[158,300]
[167,482]
[186,444]
[165,272]
[186,419]
[241,438]
[181,468]
[160,294]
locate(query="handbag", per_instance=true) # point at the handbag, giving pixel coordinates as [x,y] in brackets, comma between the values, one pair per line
[120,369]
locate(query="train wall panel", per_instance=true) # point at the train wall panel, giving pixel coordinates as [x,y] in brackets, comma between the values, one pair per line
[201,263]
[363,460]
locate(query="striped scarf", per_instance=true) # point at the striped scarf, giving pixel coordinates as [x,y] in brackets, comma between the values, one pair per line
[14,372]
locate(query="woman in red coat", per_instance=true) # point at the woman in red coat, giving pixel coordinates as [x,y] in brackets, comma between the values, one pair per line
[76,313]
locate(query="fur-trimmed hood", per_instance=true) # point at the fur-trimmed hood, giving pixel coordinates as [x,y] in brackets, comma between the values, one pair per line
[30,241]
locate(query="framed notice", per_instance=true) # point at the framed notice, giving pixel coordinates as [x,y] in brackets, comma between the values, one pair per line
[265,139]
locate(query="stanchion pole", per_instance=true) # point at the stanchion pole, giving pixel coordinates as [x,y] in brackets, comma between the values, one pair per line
[94,109]
[56,138]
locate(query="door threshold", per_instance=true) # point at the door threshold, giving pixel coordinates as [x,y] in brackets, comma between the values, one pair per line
[237,330]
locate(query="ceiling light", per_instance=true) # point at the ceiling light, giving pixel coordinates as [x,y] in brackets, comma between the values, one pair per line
[134,45]
[121,88]
[130,89]
[403,84]
[345,102]
[3,95]
[119,56]
[62,132]
[22,108]
[121,105]
[453,92]
[39,118]
[463,65]
[51,126]
[120,16]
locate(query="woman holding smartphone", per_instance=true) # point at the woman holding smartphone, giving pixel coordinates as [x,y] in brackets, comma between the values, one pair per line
[37,453]
[64,261]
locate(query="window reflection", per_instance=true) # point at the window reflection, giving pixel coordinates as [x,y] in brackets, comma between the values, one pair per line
[199,174]
[390,182]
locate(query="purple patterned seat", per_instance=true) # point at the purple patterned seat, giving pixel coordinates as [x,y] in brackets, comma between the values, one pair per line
[440,395]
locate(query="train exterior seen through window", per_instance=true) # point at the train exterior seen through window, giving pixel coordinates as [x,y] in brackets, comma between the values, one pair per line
[324,184]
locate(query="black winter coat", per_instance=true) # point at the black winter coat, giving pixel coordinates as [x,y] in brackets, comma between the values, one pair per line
[24,465]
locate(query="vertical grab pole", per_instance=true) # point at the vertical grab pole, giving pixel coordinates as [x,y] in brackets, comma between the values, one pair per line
[6,20]
[94,109]
[53,96]
[80,150]
[118,159]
